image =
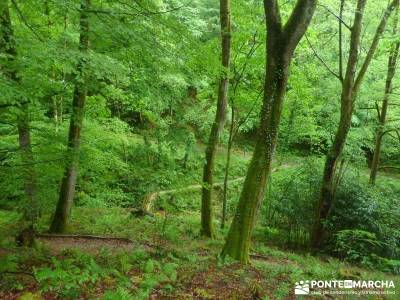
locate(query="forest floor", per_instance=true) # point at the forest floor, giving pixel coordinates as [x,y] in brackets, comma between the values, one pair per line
[166,259]
[160,256]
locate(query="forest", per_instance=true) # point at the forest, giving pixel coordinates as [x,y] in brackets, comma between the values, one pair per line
[199,149]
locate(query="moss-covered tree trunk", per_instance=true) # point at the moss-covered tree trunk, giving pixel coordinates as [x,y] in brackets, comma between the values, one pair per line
[8,48]
[206,203]
[68,182]
[380,130]
[350,86]
[281,43]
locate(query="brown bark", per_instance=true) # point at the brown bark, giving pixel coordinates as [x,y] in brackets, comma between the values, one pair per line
[7,46]
[68,182]
[206,205]
[281,43]
[393,56]
[350,86]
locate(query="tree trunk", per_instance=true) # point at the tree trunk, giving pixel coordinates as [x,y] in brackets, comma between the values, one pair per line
[393,56]
[31,208]
[7,46]
[206,205]
[281,43]
[68,182]
[227,165]
[350,86]
[53,97]
[233,131]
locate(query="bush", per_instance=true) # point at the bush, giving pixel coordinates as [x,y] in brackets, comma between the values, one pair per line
[290,202]
[364,223]
[360,207]
[363,247]
[69,277]
[358,246]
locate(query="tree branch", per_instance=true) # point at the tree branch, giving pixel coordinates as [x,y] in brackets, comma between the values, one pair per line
[273,16]
[17,104]
[23,19]
[298,22]
[31,164]
[378,110]
[377,36]
[321,60]
[390,130]
[157,12]
[336,16]
[341,41]
[244,120]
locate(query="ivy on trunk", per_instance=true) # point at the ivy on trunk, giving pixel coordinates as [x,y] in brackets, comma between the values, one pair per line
[281,43]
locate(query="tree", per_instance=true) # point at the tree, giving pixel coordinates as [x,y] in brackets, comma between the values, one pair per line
[8,47]
[350,87]
[281,44]
[68,182]
[382,113]
[235,125]
[218,125]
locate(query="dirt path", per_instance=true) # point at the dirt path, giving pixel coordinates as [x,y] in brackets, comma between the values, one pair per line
[88,244]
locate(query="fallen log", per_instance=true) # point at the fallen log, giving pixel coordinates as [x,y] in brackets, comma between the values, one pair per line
[149,198]
[18,273]
[389,167]
[78,236]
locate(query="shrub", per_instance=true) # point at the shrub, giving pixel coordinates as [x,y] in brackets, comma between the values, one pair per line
[358,246]
[360,209]
[290,203]
[69,277]
[363,225]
